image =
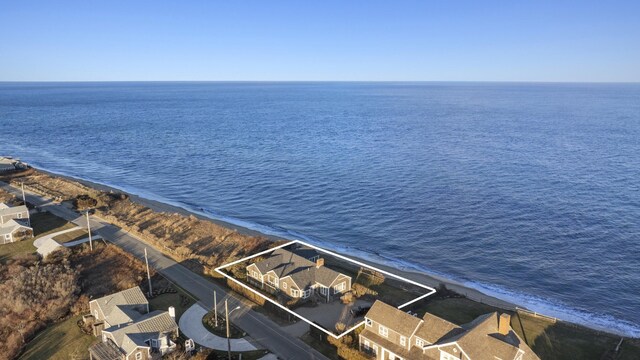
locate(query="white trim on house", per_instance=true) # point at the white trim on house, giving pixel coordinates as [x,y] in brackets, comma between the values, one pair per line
[383,331]
[430,290]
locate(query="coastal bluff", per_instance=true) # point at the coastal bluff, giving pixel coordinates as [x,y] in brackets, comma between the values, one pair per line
[183,235]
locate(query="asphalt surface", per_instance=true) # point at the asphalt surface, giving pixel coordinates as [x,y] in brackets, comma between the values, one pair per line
[260,328]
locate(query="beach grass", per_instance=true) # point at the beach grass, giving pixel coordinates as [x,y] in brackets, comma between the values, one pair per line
[63,340]
[45,223]
[71,236]
[9,251]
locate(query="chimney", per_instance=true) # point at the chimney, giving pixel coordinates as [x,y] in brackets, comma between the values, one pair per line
[504,324]
[319,262]
[172,312]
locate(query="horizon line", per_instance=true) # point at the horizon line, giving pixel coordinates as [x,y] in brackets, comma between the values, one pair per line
[321,81]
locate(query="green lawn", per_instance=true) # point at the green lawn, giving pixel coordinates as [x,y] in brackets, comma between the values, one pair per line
[8,251]
[548,339]
[71,236]
[45,223]
[181,301]
[455,310]
[63,340]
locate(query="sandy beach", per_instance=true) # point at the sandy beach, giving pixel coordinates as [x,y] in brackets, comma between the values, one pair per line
[426,279]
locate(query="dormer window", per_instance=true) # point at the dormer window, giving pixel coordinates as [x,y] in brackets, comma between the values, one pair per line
[403,341]
[419,342]
[367,322]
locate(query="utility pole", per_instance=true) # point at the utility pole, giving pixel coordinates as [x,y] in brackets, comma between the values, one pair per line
[89,231]
[226,311]
[24,201]
[215,307]
[146,260]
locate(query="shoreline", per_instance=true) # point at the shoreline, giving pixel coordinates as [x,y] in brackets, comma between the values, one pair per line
[433,280]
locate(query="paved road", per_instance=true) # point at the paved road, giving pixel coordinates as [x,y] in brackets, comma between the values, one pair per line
[262,329]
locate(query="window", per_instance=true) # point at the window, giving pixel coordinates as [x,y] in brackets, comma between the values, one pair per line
[419,342]
[154,343]
[138,356]
[7,236]
[383,331]
[375,349]
[367,322]
[339,288]
[19,215]
[307,293]
[284,285]
[367,347]
[403,341]
[255,274]
[295,293]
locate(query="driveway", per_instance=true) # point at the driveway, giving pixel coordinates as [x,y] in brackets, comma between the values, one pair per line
[192,327]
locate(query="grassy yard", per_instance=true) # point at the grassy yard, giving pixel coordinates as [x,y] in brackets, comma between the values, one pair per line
[45,223]
[180,301]
[9,251]
[63,340]
[548,339]
[71,236]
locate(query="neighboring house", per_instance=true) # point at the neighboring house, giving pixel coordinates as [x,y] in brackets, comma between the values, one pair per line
[128,330]
[299,273]
[120,308]
[391,333]
[13,223]
[8,164]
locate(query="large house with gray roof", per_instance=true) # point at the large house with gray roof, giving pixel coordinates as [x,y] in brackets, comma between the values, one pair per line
[392,334]
[14,223]
[298,273]
[128,330]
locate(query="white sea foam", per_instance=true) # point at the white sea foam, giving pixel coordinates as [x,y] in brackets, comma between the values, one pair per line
[531,302]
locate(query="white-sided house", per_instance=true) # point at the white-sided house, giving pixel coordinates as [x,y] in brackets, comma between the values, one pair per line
[128,330]
[284,271]
[392,334]
[14,223]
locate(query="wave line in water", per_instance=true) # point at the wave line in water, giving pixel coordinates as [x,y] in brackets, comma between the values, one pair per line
[531,302]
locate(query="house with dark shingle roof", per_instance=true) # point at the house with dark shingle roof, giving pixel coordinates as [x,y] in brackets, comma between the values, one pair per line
[299,273]
[128,330]
[392,334]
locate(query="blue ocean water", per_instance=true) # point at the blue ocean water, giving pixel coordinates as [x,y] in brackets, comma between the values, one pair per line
[530,192]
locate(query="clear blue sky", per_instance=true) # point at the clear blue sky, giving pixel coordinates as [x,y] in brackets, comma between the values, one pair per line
[319,40]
